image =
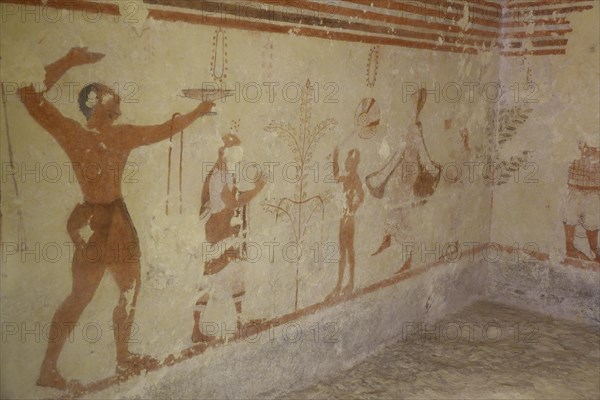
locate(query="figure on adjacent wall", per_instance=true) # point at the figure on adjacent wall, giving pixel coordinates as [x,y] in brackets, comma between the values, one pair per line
[226,231]
[582,206]
[354,196]
[420,176]
[100,227]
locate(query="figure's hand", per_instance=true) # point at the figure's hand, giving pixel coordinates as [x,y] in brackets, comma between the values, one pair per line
[81,56]
[433,166]
[260,184]
[206,107]
[219,95]
[78,240]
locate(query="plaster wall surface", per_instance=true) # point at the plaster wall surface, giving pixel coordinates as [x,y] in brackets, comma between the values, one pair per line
[530,211]
[296,97]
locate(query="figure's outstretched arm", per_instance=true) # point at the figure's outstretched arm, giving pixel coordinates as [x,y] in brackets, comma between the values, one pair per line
[232,201]
[75,57]
[143,135]
[43,111]
[361,193]
[424,157]
[336,165]
[246,197]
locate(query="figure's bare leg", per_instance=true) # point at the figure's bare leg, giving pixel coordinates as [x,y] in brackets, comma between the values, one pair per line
[406,266]
[342,262]
[238,298]
[593,242]
[197,335]
[127,276]
[351,256]
[572,251]
[569,237]
[217,264]
[387,242]
[351,262]
[342,265]
[86,278]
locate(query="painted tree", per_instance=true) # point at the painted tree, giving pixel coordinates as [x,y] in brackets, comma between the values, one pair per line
[299,209]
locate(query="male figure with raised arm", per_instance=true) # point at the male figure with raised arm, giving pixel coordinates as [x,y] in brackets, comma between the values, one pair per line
[99,153]
[354,196]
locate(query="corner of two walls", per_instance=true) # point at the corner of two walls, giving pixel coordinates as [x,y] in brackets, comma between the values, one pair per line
[164,189]
[559,96]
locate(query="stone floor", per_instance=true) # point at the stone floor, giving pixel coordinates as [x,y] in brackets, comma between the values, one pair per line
[487,351]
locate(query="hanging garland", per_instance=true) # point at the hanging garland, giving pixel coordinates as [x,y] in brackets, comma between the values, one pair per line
[267,58]
[373,66]
[218,64]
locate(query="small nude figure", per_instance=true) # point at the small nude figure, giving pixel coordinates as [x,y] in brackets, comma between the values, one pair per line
[354,197]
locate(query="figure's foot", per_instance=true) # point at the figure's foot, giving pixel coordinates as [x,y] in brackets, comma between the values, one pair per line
[259,322]
[50,377]
[387,242]
[405,267]
[347,291]
[574,253]
[251,325]
[334,293]
[136,363]
[170,360]
[75,389]
[451,255]
[199,337]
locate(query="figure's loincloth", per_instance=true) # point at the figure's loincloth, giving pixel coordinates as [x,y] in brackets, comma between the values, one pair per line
[219,228]
[582,207]
[112,237]
[226,239]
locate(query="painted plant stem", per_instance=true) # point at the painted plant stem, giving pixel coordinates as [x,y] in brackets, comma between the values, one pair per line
[302,143]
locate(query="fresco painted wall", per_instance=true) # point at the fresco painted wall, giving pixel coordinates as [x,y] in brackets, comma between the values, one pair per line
[562,138]
[548,215]
[188,179]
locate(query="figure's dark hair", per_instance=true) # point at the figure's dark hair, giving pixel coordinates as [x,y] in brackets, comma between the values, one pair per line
[83,98]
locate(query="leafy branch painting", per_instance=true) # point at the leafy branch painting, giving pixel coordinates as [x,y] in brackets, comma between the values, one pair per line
[299,209]
[506,127]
